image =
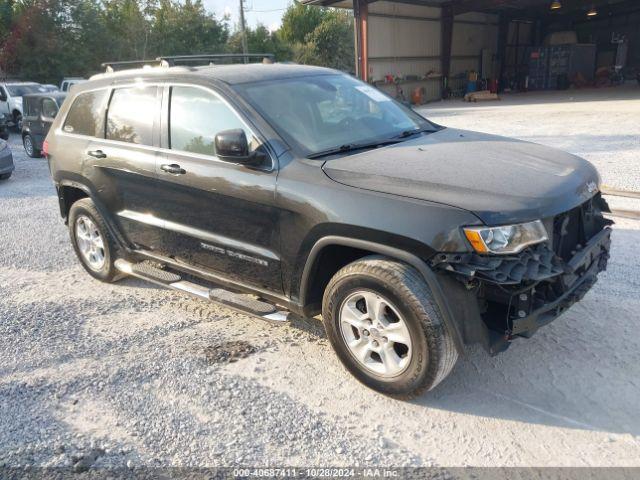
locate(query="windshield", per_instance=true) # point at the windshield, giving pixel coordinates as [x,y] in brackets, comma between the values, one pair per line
[22,90]
[321,113]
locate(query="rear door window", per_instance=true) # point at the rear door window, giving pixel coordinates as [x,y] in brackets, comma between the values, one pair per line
[86,115]
[31,107]
[131,115]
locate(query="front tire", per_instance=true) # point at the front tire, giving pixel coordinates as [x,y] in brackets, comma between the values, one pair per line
[17,121]
[5,176]
[92,242]
[29,147]
[386,328]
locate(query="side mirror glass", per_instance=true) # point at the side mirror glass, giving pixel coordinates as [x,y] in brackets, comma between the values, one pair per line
[3,97]
[233,146]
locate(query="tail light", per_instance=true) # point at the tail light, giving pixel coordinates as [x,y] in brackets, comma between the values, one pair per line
[45,149]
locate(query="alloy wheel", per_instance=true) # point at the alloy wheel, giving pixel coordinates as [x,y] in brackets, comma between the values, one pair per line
[28,145]
[90,243]
[375,333]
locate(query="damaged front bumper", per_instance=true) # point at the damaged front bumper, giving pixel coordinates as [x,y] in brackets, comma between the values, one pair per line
[514,295]
[579,275]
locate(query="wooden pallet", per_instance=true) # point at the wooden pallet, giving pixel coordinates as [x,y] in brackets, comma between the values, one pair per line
[482,95]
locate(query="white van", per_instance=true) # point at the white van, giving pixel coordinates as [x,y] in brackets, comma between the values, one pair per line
[68,82]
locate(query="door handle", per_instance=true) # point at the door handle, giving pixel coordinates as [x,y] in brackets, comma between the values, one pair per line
[97,154]
[173,169]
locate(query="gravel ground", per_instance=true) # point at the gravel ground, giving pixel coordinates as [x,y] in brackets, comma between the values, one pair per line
[129,375]
[601,125]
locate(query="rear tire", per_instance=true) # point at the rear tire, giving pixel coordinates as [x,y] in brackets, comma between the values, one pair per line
[29,147]
[92,242]
[402,350]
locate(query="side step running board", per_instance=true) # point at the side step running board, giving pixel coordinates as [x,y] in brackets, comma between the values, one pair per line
[241,303]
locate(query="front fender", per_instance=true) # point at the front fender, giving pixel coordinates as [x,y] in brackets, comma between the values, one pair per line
[398,254]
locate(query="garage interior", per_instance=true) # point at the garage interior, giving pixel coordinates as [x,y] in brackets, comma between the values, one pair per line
[424,50]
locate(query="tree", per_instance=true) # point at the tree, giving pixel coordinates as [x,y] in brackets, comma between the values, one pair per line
[299,21]
[261,40]
[6,17]
[319,36]
[127,27]
[331,43]
[45,40]
[185,28]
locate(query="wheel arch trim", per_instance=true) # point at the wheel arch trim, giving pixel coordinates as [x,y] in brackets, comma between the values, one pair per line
[111,225]
[394,253]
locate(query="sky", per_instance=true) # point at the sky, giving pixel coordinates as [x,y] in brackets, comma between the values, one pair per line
[267,12]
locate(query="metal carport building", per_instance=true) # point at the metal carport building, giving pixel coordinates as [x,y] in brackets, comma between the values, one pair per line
[429,43]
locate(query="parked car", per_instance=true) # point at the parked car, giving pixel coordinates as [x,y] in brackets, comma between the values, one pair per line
[11,94]
[69,82]
[39,111]
[4,128]
[6,160]
[279,189]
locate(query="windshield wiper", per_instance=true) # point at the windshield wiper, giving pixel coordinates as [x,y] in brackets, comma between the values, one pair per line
[352,147]
[409,133]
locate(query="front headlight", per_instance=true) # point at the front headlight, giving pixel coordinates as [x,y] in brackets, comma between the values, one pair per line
[507,238]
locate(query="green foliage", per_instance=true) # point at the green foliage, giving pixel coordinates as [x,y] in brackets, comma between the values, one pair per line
[6,17]
[299,21]
[319,36]
[185,28]
[261,40]
[331,43]
[45,40]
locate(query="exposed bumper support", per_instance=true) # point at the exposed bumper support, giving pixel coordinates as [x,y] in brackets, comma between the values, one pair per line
[500,298]
[581,274]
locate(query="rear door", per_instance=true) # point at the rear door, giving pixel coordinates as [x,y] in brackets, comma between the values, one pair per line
[124,159]
[218,215]
[49,110]
[30,115]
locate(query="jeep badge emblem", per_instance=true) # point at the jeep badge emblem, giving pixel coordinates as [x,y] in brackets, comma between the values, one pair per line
[591,187]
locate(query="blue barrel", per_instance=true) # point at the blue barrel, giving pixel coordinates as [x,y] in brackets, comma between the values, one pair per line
[471,86]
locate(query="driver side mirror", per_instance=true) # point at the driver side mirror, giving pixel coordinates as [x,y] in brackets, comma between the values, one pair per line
[3,97]
[233,146]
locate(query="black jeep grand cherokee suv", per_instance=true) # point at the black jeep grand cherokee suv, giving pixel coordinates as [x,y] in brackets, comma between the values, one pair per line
[278,189]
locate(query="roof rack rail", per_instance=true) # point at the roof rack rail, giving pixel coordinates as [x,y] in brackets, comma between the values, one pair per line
[173,60]
[212,58]
[111,67]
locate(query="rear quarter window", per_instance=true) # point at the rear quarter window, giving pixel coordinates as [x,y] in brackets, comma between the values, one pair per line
[49,108]
[86,115]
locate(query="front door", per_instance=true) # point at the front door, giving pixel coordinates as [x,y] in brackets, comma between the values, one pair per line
[218,215]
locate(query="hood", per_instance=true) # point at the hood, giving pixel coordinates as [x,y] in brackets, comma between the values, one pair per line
[501,180]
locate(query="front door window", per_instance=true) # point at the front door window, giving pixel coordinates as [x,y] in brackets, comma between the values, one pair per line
[196,117]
